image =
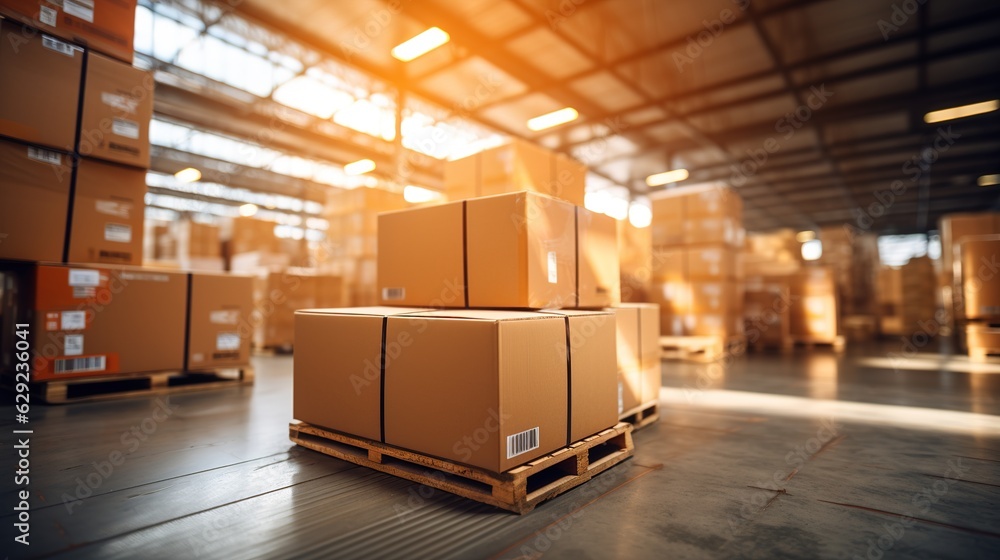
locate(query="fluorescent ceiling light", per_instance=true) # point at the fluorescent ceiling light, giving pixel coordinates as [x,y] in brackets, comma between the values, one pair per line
[807,235]
[963,111]
[188,175]
[417,195]
[420,45]
[248,210]
[555,118]
[666,177]
[359,167]
[812,250]
[989,180]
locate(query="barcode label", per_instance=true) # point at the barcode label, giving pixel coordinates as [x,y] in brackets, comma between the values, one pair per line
[45,156]
[118,233]
[73,344]
[80,365]
[58,46]
[120,102]
[125,128]
[47,16]
[81,277]
[393,294]
[227,341]
[522,442]
[553,271]
[83,9]
[74,320]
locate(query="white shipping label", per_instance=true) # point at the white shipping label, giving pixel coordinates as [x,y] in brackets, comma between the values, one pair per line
[47,16]
[553,268]
[73,345]
[83,9]
[118,233]
[73,320]
[227,341]
[224,317]
[112,208]
[125,128]
[58,46]
[522,442]
[45,156]
[81,277]
[197,357]
[119,102]
[393,294]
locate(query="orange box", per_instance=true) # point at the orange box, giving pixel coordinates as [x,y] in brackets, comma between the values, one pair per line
[716,262]
[39,87]
[34,188]
[219,328]
[421,256]
[481,387]
[598,276]
[668,221]
[980,276]
[516,166]
[569,180]
[92,321]
[337,378]
[106,26]
[108,214]
[117,108]
[521,252]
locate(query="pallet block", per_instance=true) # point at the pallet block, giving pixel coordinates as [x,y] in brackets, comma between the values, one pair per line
[110,387]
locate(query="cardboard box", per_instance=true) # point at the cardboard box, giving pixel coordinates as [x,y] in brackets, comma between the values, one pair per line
[766,309]
[713,202]
[668,221]
[712,230]
[117,108]
[92,321]
[108,213]
[484,388]
[669,265]
[338,366]
[980,278]
[814,312]
[569,181]
[516,166]
[39,86]
[955,227]
[34,188]
[598,276]
[521,251]
[461,178]
[593,371]
[421,256]
[107,26]
[219,328]
[279,294]
[716,262]
[638,341]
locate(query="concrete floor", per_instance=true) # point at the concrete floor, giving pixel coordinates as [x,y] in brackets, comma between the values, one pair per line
[808,455]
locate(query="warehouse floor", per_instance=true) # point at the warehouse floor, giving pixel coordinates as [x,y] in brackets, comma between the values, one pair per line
[805,455]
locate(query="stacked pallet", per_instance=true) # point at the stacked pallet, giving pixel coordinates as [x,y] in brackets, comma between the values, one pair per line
[499,350]
[697,275]
[184,245]
[854,260]
[890,300]
[635,254]
[955,230]
[979,278]
[74,121]
[772,253]
[918,287]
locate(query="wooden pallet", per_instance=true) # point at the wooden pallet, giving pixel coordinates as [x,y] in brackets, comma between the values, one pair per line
[286,350]
[642,416]
[700,348]
[837,344]
[518,490]
[983,355]
[784,347]
[982,340]
[110,387]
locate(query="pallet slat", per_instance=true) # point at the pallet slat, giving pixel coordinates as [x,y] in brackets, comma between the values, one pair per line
[509,490]
[641,416]
[700,348]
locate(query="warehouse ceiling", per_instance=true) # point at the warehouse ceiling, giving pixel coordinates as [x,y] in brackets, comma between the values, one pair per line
[813,110]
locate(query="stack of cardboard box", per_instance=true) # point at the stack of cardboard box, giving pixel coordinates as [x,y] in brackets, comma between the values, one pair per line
[854,259]
[497,338]
[918,287]
[635,254]
[352,239]
[772,253]
[979,277]
[954,229]
[697,267]
[74,149]
[890,300]
[184,245]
